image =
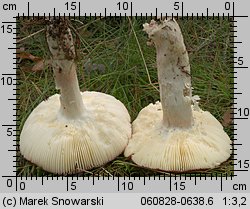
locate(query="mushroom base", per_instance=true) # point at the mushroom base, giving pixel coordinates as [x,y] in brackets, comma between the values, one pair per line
[204,145]
[60,145]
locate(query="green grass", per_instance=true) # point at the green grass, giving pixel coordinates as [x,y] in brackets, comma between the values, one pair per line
[113,43]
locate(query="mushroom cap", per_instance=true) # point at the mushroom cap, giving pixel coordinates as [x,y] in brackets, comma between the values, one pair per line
[204,145]
[64,146]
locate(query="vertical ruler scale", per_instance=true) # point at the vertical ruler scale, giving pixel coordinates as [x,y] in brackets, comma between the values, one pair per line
[212,191]
[241,95]
[9,83]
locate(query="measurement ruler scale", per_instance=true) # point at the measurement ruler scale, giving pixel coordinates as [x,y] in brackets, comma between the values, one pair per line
[215,191]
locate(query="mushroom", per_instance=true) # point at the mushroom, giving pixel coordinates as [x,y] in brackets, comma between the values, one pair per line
[175,134]
[74,131]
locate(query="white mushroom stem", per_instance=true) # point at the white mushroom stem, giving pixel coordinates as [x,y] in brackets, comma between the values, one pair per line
[173,73]
[61,45]
[71,99]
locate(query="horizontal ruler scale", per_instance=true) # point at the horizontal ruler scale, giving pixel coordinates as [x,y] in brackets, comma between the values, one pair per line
[128,8]
[125,184]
